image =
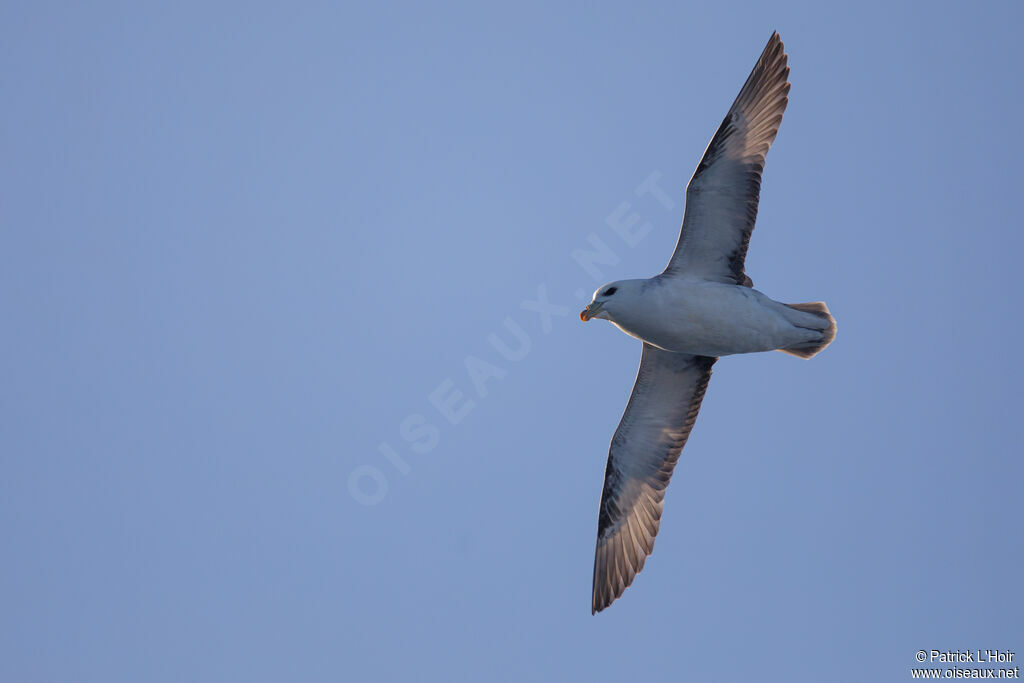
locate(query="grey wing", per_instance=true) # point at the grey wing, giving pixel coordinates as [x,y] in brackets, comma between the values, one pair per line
[661,411]
[722,196]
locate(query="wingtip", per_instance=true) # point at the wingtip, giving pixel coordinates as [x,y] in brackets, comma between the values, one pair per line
[597,601]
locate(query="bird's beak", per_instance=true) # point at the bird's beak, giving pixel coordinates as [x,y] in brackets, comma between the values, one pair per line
[590,311]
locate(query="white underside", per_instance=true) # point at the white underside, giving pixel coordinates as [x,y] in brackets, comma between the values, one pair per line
[713,319]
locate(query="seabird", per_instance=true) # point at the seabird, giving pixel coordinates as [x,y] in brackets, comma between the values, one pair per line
[700,307]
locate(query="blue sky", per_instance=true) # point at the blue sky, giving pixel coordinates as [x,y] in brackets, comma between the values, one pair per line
[244,245]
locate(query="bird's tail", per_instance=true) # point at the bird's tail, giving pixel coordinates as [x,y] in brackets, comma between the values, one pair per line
[828,330]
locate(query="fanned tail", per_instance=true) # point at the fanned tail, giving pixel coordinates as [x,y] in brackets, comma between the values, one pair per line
[828,330]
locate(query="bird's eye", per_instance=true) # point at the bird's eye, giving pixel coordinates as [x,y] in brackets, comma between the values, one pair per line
[610,291]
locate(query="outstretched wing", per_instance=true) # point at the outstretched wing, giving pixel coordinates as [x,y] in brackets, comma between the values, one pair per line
[661,411]
[721,198]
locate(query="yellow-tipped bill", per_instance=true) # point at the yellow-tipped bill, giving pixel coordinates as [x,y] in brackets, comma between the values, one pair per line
[590,311]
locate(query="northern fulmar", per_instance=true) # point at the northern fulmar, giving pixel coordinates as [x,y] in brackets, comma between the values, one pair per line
[700,307]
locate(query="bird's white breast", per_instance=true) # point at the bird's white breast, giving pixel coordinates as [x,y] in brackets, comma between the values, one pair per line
[704,318]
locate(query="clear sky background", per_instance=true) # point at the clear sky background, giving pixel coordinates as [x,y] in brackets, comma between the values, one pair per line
[242,245]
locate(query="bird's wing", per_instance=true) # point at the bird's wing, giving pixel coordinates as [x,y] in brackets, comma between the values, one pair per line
[721,198]
[661,411]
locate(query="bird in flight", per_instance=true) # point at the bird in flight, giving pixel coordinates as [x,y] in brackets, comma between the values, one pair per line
[700,307]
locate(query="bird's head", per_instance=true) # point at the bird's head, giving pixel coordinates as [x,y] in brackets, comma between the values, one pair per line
[610,299]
